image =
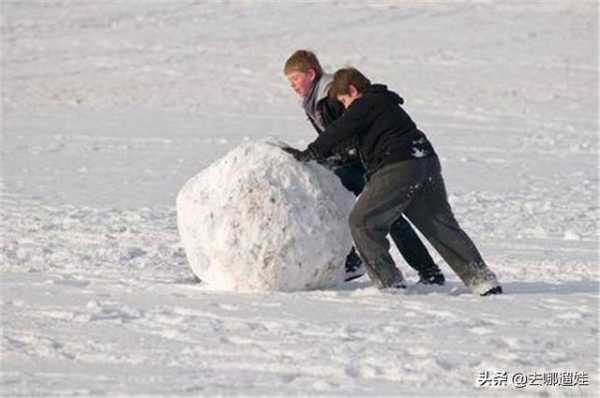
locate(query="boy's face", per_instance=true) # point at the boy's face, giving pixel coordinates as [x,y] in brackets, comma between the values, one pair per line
[301,82]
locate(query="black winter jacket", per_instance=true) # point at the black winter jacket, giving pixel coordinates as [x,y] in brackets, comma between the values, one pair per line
[329,110]
[382,131]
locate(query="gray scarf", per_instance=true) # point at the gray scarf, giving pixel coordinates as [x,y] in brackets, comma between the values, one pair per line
[318,92]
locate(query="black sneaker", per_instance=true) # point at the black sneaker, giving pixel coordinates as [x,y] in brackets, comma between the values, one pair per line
[354,266]
[493,291]
[396,288]
[399,285]
[432,276]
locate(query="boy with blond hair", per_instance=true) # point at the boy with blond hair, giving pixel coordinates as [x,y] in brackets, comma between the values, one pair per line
[307,78]
[404,178]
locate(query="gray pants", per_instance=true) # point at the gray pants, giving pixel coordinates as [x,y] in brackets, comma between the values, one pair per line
[415,188]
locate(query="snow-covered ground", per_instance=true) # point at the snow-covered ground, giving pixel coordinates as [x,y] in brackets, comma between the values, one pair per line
[110,106]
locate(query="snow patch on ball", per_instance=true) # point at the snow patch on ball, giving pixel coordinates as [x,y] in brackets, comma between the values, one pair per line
[258,220]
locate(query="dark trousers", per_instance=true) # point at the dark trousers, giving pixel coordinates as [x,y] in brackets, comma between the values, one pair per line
[404,236]
[414,188]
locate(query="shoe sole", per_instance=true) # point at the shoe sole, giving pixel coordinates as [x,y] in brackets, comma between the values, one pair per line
[493,291]
[353,277]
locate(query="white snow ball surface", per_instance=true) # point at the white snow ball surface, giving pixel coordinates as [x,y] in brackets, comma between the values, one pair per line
[258,220]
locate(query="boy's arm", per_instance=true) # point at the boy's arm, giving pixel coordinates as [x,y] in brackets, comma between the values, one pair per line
[352,122]
[312,122]
[335,109]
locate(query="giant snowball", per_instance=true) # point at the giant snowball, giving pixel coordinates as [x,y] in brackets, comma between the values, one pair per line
[258,220]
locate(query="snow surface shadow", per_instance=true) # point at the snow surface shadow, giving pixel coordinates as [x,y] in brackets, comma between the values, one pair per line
[192,280]
[449,288]
[567,287]
[510,288]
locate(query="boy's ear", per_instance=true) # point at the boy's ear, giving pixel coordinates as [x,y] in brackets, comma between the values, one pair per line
[311,74]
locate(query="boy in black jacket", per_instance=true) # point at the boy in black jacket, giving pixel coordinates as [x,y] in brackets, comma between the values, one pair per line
[308,80]
[404,176]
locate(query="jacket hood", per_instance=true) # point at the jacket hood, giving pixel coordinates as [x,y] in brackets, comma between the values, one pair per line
[310,103]
[381,89]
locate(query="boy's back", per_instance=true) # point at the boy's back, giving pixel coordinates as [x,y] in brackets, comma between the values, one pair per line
[382,130]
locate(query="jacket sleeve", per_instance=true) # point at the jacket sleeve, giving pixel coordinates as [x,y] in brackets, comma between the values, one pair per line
[334,110]
[317,129]
[352,122]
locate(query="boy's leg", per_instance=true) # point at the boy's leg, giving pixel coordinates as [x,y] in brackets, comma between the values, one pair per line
[381,204]
[431,213]
[411,247]
[404,236]
[352,178]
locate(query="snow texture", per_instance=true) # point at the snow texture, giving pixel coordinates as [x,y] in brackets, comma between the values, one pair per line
[258,220]
[109,107]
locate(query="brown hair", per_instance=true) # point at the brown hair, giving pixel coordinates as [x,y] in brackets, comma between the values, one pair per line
[303,61]
[344,78]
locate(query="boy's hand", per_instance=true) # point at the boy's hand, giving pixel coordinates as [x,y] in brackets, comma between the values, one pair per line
[301,156]
[292,151]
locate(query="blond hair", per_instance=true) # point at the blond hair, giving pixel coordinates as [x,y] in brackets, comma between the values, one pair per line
[303,61]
